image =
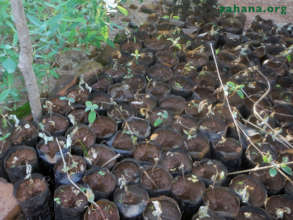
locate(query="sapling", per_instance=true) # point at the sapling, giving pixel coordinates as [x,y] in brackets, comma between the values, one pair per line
[162,116]
[70,100]
[193,178]
[157,210]
[136,55]
[88,195]
[16,121]
[178,85]
[281,211]
[92,109]
[175,42]
[232,88]
[83,83]
[45,138]
[49,106]
[28,170]
[4,137]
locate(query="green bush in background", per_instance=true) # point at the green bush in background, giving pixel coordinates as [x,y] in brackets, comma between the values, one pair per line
[55,26]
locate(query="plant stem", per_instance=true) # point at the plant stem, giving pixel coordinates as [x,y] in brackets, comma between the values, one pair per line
[74,184]
[276,165]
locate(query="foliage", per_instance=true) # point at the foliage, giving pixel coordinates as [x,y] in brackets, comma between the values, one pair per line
[55,26]
[162,116]
[92,109]
[233,87]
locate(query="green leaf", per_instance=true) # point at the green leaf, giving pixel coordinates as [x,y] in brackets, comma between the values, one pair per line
[267,158]
[157,122]
[88,104]
[287,170]
[34,20]
[4,137]
[176,17]
[217,51]
[240,94]
[92,116]
[289,58]
[165,17]
[123,10]
[4,94]
[9,65]
[273,172]
[101,173]
[285,159]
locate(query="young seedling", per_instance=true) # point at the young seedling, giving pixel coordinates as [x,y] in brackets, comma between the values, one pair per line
[88,195]
[83,83]
[175,42]
[70,100]
[191,133]
[163,115]
[136,55]
[16,121]
[132,135]
[92,109]
[4,137]
[49,106]
[157,210]
[46,138]
[232,87]
[57,200]
[178,85]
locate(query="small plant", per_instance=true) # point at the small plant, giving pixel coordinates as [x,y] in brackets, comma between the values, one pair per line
[178,85]
[70,100]
[175,42]
[190,133]
[4,137]
[46,138]
[132,135]
[157,209]
[217,51]
[289,58]
[91,108]
[162,116]
[169,17]
[136,55]
[57,200]
[232,87]
[83,83]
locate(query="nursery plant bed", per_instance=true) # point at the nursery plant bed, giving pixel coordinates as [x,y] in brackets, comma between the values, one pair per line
[152,136]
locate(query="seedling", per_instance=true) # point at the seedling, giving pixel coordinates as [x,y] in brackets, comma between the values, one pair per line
[132,135]
[92,109]
[57,200]
[83,83]
[45,137]
[101,173]
[178,85]
[16,121]
[190,133]
[232,87]
[136,55]
[4,137]
[49,106]
[175,42]
[28,170]
[70,100]
[162,116]
[157,209]
[193,178]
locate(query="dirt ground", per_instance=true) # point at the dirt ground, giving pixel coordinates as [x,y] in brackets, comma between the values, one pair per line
[276,17]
